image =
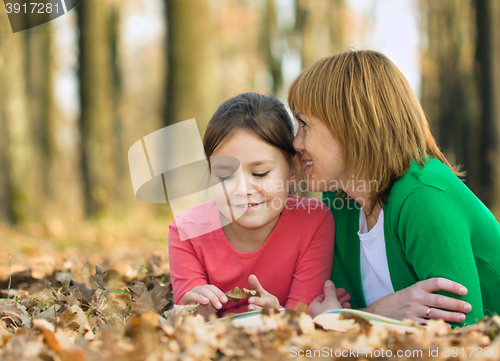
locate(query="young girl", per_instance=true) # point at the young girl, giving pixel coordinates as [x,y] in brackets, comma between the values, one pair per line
[278,244]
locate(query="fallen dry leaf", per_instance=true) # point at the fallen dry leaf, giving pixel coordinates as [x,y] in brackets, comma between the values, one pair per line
[147,301]
[14,314]
[238,294]
[81,291]
[176,314]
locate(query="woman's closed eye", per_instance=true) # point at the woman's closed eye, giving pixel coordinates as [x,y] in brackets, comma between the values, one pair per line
[302,124]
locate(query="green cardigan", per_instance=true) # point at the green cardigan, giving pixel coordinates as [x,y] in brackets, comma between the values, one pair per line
[434,226]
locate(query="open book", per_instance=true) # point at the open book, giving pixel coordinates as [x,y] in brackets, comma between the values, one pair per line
[341,320]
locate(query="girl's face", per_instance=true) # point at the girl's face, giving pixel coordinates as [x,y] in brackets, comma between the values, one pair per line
[256,193]
[322,158]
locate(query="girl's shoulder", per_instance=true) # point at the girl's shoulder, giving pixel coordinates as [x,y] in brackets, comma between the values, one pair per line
[197,221]
[307,206]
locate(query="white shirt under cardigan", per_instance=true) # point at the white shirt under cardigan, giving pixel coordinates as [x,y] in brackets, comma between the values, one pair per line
[375,277]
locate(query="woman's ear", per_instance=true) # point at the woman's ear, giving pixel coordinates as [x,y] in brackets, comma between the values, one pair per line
[295,170]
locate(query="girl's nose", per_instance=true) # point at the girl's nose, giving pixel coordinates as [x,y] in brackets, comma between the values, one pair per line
[245,186]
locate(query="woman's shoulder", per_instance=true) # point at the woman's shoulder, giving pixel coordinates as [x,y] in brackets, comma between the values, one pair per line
[433,174]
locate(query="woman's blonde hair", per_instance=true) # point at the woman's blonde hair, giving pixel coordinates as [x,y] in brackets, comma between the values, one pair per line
[370,108]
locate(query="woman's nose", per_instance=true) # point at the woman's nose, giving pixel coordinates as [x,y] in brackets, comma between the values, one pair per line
[298,141]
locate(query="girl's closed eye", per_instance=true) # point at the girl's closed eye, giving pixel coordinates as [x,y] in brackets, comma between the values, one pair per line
[261,175]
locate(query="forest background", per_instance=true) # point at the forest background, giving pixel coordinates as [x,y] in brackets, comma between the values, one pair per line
[77,92]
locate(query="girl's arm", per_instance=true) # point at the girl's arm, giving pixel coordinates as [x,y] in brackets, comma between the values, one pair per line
[188,275]
[314,266]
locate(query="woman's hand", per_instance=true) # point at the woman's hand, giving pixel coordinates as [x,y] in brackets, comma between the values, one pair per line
[265,299]
[419,303]
[209,297]
[328,300]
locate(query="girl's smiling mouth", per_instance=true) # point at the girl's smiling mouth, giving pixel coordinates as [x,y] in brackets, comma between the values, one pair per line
[250,205]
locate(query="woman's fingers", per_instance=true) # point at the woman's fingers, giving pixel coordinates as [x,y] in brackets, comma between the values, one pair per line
[442,284]
[447,303]
[437,314]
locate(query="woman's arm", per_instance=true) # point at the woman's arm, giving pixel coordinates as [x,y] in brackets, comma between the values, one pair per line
[436,241]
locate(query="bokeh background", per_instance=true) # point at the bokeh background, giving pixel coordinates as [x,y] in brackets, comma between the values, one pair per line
[77,92]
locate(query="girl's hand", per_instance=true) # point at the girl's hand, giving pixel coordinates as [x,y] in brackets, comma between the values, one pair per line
[209,297]
[265,299]
[328,300]
[343,298]
[420,303]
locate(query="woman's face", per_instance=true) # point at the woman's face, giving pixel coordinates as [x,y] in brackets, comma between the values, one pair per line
[322,158]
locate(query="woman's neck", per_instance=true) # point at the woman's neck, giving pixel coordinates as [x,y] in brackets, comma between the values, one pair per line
[364,199]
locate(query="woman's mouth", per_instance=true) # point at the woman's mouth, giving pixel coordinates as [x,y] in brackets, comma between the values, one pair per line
[308,165]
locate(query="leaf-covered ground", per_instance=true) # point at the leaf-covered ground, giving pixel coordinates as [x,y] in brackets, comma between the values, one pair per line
[116,304]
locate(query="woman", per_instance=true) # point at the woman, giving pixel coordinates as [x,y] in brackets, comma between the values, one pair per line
[407,226]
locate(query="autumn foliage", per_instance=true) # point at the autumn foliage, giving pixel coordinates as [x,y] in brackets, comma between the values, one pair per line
[121,314]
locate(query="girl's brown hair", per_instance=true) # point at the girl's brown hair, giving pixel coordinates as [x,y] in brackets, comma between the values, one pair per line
[263,115]
[370,108]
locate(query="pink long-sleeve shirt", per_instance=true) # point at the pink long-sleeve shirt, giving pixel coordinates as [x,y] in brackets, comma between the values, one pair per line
[293,263]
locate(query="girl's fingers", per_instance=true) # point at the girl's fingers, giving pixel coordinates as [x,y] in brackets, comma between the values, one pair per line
[346,305]
[320,298]
[193,297]
[344,299]
[208,293]
[254,284]
[253,307]
[341,293]
[260,301]
[220,295]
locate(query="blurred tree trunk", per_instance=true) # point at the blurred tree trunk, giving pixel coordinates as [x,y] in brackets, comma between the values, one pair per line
[18,195]
[243,48]
[449,88]
[122,172]
[322,25]
[6,199]
[191,85]
[274,46]
[488,64]
[40,91]
[96,99]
